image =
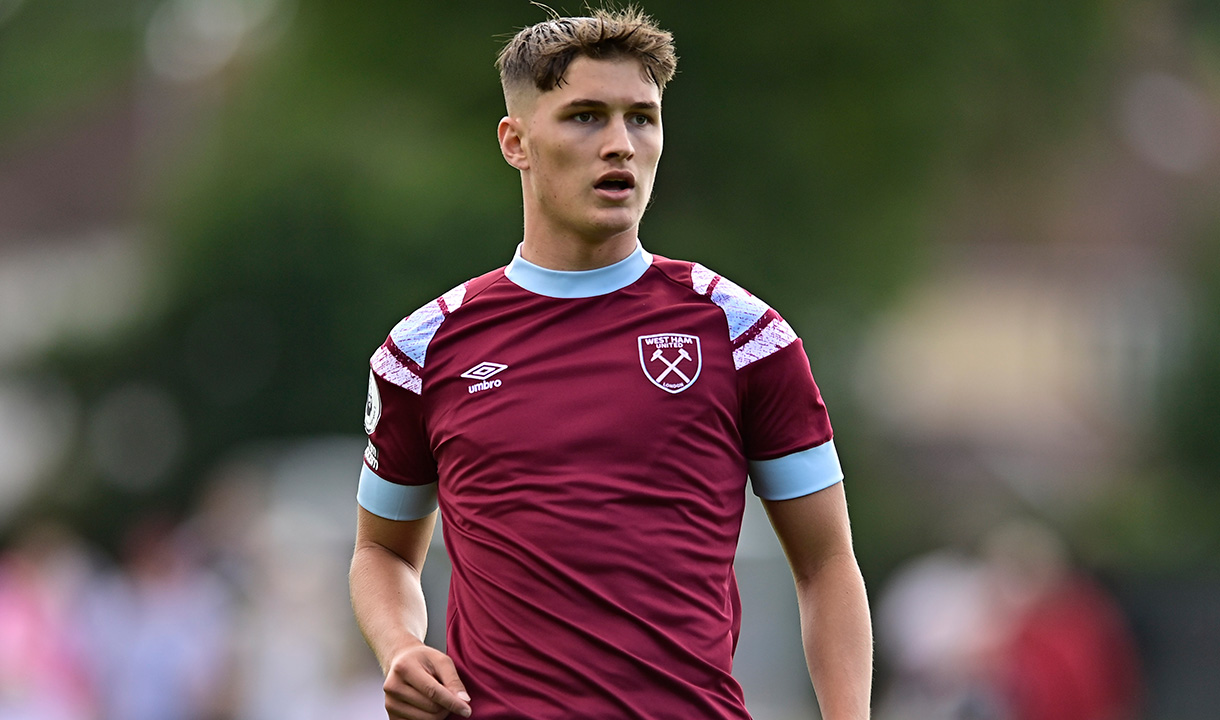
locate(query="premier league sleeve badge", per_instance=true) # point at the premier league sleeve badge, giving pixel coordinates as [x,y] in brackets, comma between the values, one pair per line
[372,406]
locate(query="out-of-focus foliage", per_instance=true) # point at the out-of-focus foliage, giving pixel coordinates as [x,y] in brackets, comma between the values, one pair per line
[351,173]
[1190,407]
[1193,403]
[57,55]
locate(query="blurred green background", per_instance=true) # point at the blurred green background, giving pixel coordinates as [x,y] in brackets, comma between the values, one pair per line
[996,225]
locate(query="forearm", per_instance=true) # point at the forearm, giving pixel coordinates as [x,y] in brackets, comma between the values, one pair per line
[388,601]
[837,636]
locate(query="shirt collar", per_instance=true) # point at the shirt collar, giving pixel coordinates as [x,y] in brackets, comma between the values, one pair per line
[578,283]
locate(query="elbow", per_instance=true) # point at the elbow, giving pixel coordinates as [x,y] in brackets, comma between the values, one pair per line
[838,565]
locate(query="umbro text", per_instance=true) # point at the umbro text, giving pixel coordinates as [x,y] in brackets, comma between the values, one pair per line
[485,385]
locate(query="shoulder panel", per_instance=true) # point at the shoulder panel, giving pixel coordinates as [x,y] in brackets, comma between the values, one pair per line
[401,359]
[774,334]
[755,329]
[392,366]
[415,332]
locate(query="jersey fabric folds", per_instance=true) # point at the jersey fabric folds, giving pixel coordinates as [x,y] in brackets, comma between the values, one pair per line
[588,437]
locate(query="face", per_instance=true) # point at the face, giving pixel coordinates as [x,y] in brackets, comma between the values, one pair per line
[588,150]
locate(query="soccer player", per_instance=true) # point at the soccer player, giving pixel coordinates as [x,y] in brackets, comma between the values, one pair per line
[585,418]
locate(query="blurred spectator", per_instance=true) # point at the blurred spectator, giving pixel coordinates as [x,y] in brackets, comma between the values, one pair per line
[43,671]
[1016,634]
[276,527]
[1069,654]
[161,632]
[237,613]
[940,632]
[298,634]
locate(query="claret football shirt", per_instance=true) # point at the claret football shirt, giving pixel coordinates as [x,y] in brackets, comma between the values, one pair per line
[588,436]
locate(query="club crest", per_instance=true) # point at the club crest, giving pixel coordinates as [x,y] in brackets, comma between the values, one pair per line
[671,361]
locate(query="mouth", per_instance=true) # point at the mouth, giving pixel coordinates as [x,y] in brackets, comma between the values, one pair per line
[615,185]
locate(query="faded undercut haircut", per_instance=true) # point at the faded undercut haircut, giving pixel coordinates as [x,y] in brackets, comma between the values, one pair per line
[539,55]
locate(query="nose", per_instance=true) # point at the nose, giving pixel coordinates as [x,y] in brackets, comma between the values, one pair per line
[617,144]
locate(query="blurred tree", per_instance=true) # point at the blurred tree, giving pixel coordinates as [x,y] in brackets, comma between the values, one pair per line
[352,174]
[1190,408]
[58,57]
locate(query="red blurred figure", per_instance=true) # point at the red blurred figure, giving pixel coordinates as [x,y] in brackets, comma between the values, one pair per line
[1069,654]
[1071,657]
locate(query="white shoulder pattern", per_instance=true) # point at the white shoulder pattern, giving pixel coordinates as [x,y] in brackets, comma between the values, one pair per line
[740,307]
[412,336]
[743,312]
[776,335]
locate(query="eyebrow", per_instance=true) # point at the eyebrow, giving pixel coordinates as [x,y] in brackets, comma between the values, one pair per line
[586,103]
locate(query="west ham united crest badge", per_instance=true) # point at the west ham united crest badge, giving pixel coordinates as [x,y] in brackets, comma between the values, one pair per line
[671,361]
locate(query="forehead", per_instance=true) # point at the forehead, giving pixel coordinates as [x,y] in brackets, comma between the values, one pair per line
[621,81]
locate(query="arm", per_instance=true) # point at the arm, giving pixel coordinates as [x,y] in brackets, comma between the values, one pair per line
[835,628]
[388,600]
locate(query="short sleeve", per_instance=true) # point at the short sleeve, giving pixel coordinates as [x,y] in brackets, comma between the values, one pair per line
[788,439]
[399,477]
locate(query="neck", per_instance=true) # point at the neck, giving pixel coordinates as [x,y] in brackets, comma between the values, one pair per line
[564,249]
[578,254]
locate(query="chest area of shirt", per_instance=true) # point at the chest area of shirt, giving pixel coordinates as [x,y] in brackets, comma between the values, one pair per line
[609,368]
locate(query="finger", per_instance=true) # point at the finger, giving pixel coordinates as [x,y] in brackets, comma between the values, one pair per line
[409,696]
[446,699]
[399,710]
[440,684]
[447,673]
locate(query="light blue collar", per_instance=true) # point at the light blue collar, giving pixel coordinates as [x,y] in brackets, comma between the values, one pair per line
[578,283]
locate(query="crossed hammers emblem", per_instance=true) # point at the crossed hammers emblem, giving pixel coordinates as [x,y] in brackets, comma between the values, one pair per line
[671,367]
[661,347]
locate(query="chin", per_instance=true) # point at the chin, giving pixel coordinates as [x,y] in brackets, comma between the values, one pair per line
[612,224]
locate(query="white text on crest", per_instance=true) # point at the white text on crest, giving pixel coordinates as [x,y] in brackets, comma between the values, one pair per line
[665,343]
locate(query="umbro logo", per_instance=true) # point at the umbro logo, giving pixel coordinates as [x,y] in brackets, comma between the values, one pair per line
[483,373]
[483,370]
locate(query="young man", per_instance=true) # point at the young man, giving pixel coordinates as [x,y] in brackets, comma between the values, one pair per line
[586,417]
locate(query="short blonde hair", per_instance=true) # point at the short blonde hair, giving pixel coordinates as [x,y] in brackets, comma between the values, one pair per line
[539,55]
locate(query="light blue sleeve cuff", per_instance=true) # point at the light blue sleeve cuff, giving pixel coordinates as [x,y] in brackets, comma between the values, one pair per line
[393,501]
[800,473]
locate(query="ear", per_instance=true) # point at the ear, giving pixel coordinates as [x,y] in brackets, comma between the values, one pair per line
[512,142]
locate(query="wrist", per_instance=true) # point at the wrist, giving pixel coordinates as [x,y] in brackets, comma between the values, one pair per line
[402,645]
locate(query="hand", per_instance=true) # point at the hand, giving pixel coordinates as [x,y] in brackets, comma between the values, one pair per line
[423,684]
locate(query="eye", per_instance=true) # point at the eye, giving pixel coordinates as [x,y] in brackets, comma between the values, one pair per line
[641,120]
[583,117]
